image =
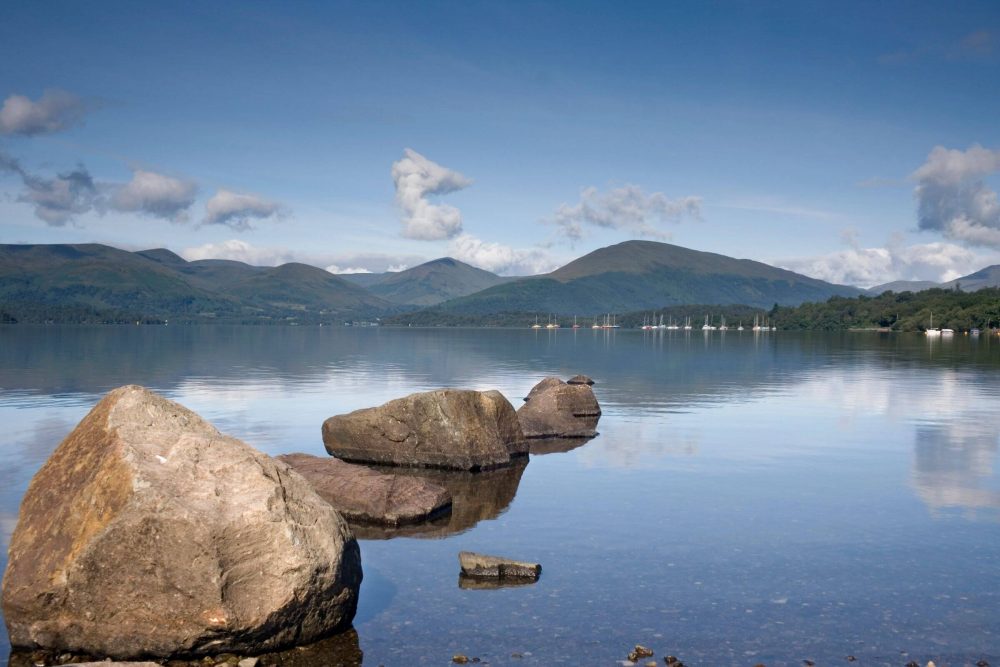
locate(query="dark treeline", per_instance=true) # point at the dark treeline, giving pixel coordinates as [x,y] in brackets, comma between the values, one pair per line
[903,311]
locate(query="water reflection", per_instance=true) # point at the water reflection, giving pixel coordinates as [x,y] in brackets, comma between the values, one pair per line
[953,465]
[340,649]
[476,496]
[541,446]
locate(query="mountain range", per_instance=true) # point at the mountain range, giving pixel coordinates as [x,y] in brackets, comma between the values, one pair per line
[637,275]
[93,282]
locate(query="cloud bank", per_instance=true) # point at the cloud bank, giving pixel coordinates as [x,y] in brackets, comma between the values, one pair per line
[867,267]
[241,251]
[55,110]
[953,199]
[236,210]
[500,258]
[628,209]
[416,178]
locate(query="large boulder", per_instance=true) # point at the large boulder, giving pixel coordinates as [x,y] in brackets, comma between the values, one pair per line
[366,496]
[556,409]
[457,429]
[149,533]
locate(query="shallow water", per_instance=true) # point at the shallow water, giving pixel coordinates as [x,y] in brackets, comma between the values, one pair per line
[751,498]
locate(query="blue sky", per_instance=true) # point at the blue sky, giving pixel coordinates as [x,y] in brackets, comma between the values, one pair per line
[801,134]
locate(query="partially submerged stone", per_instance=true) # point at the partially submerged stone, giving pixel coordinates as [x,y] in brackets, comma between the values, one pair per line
[363,495]
[481,566]
[476,496]
[149,533]
[580,379]
[456,429]
[557,409]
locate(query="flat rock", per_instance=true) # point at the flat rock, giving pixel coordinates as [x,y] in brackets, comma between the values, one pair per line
[148,533]
[363,495]
[557,409]
[476,496]
[481,566]
[455,429]
[580,379]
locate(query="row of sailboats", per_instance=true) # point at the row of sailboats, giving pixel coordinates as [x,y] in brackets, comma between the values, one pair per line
[609,321]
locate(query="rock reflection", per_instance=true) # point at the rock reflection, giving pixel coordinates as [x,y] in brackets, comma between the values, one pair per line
[340,649]
[953,464]
[476,496]
[479,584]
[539,446]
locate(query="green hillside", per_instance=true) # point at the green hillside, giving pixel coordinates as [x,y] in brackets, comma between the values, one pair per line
[429,283]
[93,282]
[638,275]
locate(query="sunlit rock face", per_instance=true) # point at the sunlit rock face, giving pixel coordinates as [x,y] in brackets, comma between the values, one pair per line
[149,533]
[557,409]
[457,429]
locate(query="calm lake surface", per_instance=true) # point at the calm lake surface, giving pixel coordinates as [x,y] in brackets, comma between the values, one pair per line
[751,498]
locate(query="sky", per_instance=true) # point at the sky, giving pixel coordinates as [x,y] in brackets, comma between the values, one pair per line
[856,142]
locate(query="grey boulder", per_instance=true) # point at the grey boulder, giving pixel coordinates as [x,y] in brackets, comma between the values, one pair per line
[366,496]
[149,533]
[557,409]
[456,429]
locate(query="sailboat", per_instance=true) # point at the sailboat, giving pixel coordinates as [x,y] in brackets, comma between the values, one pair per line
[687,324]
[575,325]
[722,325]
[931,331]
[553,324]
[740,327]
[536,325]
[707,326]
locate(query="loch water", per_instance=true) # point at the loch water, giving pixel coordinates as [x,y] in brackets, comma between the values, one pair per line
[751,498]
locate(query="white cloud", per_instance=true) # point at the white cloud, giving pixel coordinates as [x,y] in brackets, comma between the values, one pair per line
[500,258]
[627,208]
[241,251]
[54,111]
[867,267]
[56,200]
[333,268]
[236,210]
[953,199]
[415,178]
[156,195]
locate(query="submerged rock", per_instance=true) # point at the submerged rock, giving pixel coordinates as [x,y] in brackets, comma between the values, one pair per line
[456,429]
[342,649]
[476,496]
[481,566]
[580,379]
[363,495]
[556,409]
[149,533]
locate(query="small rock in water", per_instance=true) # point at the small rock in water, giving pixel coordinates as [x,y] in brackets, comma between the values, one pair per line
[670,660]
[516,656]
[248,662]
[481,566]
[651,663]
[638,652]
[851,658]
[913,663]
[982,663]
[930,663]
[808,663]
[460,659]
